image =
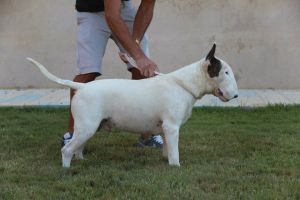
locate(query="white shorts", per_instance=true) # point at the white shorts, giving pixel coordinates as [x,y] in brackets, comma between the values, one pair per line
[93,34]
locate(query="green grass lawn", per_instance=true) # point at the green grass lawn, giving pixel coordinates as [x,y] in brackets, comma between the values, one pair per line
[225,153]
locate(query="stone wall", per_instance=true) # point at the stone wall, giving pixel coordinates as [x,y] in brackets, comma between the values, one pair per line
[259,38]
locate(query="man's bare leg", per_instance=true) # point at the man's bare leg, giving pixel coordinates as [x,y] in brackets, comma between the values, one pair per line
[81,78]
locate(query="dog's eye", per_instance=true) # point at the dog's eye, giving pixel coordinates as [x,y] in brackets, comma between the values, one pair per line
[227,73]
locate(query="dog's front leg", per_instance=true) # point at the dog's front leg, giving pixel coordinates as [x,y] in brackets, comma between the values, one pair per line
[171,133]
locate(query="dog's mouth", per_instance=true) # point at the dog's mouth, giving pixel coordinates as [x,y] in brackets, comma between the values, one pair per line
[218,93]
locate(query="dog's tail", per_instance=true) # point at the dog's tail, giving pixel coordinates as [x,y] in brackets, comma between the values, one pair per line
[55,79]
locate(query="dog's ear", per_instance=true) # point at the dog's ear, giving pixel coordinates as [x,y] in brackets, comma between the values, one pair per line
[211,53]
[215,65]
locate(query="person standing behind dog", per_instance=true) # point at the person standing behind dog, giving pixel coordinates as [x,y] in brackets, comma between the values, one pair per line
[100,20]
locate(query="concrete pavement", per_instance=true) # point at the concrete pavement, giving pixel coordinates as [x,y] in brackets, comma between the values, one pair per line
[60,97]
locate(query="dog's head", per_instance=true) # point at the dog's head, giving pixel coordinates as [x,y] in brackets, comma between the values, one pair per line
[220,78]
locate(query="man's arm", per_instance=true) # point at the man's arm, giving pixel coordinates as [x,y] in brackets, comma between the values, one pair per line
[121,32]
[143,19]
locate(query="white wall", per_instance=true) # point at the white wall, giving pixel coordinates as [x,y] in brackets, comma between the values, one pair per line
[259,38]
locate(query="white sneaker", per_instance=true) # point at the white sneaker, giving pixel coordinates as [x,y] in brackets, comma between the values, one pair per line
[66,139]
[155,141]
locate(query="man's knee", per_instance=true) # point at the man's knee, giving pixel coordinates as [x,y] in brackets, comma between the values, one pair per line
[85,78]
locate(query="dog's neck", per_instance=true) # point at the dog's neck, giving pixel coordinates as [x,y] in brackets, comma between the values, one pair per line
[192,78]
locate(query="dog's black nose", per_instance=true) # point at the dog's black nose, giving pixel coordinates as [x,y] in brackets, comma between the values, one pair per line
[236,96]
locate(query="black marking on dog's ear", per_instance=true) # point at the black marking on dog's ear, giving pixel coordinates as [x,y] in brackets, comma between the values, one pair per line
[211,53]
[215,65]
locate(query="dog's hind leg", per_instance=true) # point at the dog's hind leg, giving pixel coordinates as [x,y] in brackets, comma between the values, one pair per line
[79,153]
[171,133]
[86,124]
[81,135]
[165,148]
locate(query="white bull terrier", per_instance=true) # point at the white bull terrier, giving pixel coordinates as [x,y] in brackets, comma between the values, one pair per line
[155,105]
